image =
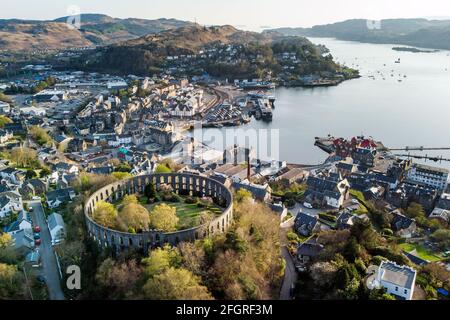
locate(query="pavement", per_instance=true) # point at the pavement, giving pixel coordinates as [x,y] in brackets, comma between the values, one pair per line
[49,265]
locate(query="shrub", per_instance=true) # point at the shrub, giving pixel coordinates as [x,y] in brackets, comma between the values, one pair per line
[431,292]
[389,254]
[290,203]
[292,236]
[360,266]
[328,217]
[191,200]
[173,197]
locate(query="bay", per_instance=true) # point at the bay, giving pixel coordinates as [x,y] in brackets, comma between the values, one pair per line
[412,112]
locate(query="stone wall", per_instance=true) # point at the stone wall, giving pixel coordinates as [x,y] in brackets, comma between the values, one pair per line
[181,183]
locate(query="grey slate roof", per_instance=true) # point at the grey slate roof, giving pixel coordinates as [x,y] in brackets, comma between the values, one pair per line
[310,248]
[4,200]
[403,276]
[400,222]
[305,224]
[55,220]
[62,195]
[258,193]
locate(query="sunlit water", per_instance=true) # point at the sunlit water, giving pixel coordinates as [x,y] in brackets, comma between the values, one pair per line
[413,112]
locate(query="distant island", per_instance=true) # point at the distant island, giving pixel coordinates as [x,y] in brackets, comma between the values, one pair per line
[413,50]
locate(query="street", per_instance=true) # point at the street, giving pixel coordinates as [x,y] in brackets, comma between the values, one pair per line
[290,276]
[49,265]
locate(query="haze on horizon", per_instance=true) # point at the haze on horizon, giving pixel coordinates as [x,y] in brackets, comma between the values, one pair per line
[249,14]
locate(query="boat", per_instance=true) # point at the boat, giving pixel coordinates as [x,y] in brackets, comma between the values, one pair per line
[257,85]
[398,60]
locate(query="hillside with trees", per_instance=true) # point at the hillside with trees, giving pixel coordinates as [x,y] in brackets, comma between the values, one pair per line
[243,263]
[220,51]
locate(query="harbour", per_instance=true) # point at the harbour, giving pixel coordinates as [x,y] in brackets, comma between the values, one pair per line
[400,114]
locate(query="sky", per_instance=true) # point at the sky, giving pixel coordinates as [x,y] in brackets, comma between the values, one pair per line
[246,14]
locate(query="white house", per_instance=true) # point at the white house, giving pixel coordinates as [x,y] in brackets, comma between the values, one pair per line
[5,136]
[54,177]
[34,111]
[11,174]
[10,201]
[63,167]
[57,228]
[5,206]
[57,197]
[4,107]
[22,223]
[397,280]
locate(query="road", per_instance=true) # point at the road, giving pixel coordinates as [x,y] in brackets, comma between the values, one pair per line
[290,273]
[290,276]
[49,264]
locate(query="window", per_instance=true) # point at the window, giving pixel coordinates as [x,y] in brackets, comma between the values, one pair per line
[405,291]
[396,288]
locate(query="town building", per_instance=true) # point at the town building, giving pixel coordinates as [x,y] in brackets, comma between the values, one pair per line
[50,95]
[57,197]
[402,225]
[397,280]
[22,223]
[430,176]
[23,241]
[327,190]
[307,251]
[5,108]
[56,227]
[306,225]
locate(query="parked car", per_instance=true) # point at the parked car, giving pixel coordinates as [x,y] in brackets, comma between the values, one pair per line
[307,205]
[30,209]
[37,242]
[37,229]
[36,198]
[37,236]
[355,201]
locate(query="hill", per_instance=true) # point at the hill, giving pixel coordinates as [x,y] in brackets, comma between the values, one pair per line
[433,34]
[221,51]
[96,29]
